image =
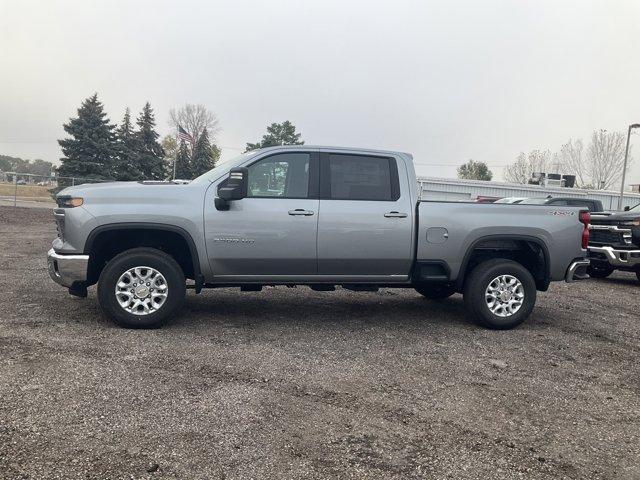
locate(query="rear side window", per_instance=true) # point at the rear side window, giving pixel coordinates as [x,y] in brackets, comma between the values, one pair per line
[582,203]
[359,177]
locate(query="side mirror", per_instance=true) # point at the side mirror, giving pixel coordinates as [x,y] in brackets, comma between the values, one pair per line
[233,188]
[627,208]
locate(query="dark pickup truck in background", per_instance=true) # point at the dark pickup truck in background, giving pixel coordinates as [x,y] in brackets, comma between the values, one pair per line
[614,242]
[592,205]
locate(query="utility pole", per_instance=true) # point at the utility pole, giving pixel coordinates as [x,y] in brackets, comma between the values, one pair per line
[624,168]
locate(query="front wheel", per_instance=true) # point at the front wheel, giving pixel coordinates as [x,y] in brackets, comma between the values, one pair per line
[141,288]
[500,293]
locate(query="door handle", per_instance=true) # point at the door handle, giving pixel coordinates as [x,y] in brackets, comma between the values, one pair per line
[395,214]
[301,211]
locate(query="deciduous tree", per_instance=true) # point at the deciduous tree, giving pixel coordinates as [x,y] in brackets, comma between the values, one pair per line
[195,119]
[524,166]
[473,170]
[278,134]
[605,158]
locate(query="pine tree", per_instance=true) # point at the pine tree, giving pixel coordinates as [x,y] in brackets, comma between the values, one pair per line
[126,160]
[149,154]
[278,134]
[183,162]
[202,159]
[91,151]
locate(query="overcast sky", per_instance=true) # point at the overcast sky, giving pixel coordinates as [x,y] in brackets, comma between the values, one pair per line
[446,80]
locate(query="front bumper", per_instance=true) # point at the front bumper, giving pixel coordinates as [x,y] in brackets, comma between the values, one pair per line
[618,258]
[67,270]
[577,271]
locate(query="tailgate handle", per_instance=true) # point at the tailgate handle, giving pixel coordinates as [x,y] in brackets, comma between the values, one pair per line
[301,211]
[395,214]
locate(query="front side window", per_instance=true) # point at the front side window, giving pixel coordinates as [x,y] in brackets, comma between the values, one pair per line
[284,175]
[358,177]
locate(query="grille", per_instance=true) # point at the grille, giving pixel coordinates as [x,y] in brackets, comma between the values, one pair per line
[605,236]
[59,217]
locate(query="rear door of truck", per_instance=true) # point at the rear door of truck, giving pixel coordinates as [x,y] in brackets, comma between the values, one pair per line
[365,225]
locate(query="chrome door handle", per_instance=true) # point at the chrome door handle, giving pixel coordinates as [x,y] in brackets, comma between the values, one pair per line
[301,211]
[395,215]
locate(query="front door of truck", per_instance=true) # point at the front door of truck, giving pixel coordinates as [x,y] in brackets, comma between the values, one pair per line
[272,232]
[365,227]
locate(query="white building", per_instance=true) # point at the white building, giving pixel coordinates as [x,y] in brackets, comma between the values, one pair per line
[467,190]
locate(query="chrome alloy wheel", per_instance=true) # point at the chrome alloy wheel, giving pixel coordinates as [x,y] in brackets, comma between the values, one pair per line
[504,295]
[141,290]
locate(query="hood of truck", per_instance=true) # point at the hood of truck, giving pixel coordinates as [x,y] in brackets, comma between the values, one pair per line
[610,218]
[134,193]
[116,188]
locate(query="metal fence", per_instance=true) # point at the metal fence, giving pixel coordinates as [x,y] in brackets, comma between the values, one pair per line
[432,188]
[21,187]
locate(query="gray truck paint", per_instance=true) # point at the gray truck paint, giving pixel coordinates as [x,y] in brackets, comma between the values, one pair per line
[343,241]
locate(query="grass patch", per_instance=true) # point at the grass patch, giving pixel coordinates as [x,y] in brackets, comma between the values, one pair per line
[25,190]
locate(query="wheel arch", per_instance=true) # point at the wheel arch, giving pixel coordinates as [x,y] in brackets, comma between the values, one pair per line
[542,281]
[98,235]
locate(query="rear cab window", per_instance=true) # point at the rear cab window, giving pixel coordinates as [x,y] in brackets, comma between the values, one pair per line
[359,177]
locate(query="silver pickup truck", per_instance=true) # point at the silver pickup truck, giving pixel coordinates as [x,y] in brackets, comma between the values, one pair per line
[316,216]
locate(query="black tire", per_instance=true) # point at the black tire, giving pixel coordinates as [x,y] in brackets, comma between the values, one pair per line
[147,257]
[599,270]
[638,275]
[435,291]
[478,281]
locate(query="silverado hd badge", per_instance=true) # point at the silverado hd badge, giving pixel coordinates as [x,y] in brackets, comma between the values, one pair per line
[234,240]
[561,213]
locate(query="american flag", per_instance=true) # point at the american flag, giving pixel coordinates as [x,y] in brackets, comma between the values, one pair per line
[184,135]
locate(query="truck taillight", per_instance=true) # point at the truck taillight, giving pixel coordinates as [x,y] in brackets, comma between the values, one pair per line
[585,219]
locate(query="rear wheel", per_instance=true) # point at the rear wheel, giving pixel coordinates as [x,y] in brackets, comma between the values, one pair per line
[500,293]
[141,288]
[599,270]
[435,291]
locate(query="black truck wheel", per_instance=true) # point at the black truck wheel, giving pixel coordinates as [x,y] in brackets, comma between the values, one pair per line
[435,291]
[500,293]
[141,288]
[600,270]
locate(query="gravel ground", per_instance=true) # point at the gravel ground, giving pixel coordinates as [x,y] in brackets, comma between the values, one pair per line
[290,383]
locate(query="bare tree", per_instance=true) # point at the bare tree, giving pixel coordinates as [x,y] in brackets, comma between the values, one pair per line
[194,119]
[572,160]
[605,158]
[522,169]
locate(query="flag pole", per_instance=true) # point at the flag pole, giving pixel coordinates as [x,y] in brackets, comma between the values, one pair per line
[175,159]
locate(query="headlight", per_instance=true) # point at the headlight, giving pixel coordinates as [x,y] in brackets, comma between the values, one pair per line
[631,223]
[69,202]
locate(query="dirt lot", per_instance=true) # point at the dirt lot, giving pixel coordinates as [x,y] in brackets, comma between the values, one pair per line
[290,383]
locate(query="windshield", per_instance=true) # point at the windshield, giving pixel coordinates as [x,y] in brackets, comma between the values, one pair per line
[219,170]
[635,208]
